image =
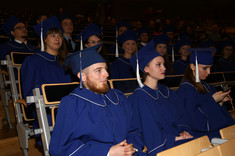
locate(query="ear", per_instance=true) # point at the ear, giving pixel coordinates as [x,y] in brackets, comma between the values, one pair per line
[12,33]
[146,69]
[84,76]
[86,45]
[193,67]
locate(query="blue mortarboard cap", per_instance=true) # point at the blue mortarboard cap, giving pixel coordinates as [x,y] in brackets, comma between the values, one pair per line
[168,28]
[65,15]
[83,59]
[207,44]
[226,43]
[142,30]
[88,57]
[127,35]
[183,42]
[123,24]
[141,59]
[144,55]
[47,24]
[10,24]
[161,39]
[204,55]
[90,30]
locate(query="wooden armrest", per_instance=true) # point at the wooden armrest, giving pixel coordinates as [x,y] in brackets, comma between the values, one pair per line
[3,72]
[22,101]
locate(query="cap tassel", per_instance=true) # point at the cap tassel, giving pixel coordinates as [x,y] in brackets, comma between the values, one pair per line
[138,74]
[80,70]
[42,43]
[173,53]
[197,72]
[81,43]
[116,50]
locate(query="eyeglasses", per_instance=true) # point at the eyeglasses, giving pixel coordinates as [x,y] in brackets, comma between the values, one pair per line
[94,42]
[20,27]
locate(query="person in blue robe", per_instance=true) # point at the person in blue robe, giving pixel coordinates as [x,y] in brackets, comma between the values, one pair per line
[182,63]
[121,67]
[225,63]
[120,28]
[45,66]
[93,119]
[161,43]
[17,32]
[91,36]
[143,35]
[162,123]
[203,105]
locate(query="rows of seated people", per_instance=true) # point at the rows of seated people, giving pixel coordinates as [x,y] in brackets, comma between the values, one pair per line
[139,54]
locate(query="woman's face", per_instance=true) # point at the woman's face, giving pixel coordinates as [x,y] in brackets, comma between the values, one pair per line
[203,70]
[92,41]
[54,41]
[129,46]
[184,50]
[161,48]
[156,68]
[227,52]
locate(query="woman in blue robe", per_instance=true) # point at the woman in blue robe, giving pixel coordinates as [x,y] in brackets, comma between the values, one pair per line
[202,103]
[155,106]
[45,66]
[182,63]
[121,67]
[225,63]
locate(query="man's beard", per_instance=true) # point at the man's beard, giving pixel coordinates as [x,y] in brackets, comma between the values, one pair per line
[94,87]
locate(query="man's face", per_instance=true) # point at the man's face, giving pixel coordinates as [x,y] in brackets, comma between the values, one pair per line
[67,25]
[144,37]
[95,78]
[19,31]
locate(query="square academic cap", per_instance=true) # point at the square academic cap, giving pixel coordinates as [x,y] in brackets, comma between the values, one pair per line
[201,56]
[141,59]
[9,25]
[127,35]
[83,59]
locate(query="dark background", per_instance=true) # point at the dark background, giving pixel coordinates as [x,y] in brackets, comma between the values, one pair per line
[131,9]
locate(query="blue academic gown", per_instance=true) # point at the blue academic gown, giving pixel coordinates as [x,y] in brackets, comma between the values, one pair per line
[13,46]
[180,66]
[38,69]
[225,65]
[121,68]
[156,114]
[89,124]
[204,114]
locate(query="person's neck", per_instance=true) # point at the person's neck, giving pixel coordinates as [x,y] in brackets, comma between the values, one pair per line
[23,40]
[127,55]
[68,35]
[226,57]
[151,83]
[184,58]
[52,52]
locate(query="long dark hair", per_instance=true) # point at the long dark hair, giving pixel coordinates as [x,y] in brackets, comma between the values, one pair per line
[62,52]
[168,63]
[188,75]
